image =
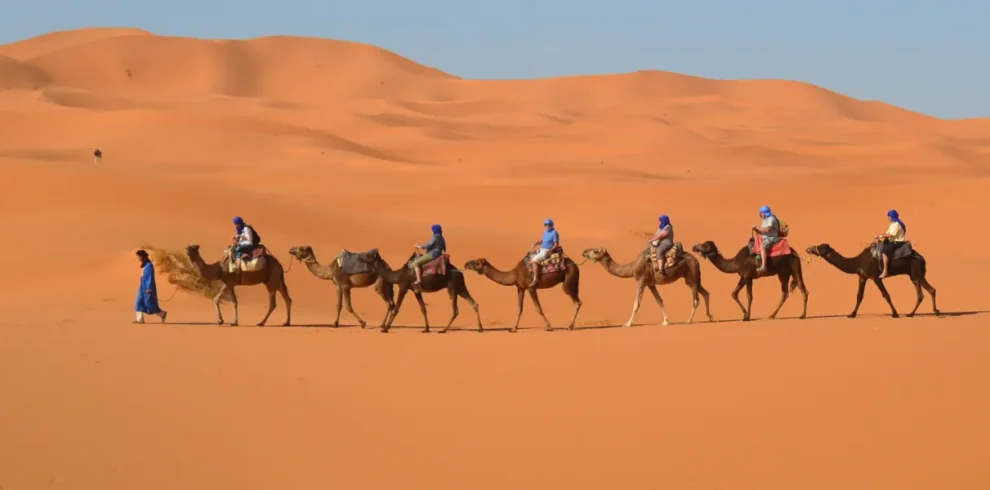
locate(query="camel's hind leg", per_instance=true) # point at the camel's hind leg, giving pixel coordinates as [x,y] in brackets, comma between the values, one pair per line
[705,296]
[271,306]
[749,299]
[395,309]
[571,289]
[284,291]
[539,309]
[340,306]
[388,297]
[656,296]
[799,276]
[859,297]
[784,292]
[931,291]
[350,308]
[463,292]
[920,298]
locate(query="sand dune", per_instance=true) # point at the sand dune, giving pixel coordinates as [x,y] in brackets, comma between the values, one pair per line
[338,145]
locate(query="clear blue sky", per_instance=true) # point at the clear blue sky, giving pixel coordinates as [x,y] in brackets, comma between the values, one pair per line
[932,57]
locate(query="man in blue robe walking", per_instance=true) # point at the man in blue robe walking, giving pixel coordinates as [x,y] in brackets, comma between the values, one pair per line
[147,297]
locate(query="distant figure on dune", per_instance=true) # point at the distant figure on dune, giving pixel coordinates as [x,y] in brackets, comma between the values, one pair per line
[97,156]
[147,297]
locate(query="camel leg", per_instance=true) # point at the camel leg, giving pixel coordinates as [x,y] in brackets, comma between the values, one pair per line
[539,309]
[749,299]
[572,292]
[216,303]
[921,297]
[233,300]
[340,301]
[695,301]
[284,290]
[520,293]
[422,309]
[640,287]
[931,291]
[453,309]
[883,292]
[859,296]
[784,293]
[389,303]
[735,296]
[705,296]
[463,292]
[350,307]
[395,309]
[271,307]
[656,296]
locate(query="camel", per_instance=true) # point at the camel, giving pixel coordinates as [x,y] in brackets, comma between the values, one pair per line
[642,270]
[745,264]
[271,275]
[867,266]
[345,281]
[437,275]
[556,269]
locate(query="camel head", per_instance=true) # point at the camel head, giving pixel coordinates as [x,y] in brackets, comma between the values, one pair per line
[819,250]
[302,252]
[595,254]
[193,252]
[706,250]
[477,265]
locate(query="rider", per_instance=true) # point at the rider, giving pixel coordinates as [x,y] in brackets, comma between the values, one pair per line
[769,229]
[663,239]
[430,250]
[894,236]
[244,239]
[549,242]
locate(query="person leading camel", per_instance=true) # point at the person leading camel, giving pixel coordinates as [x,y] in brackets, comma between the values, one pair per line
[429,250]
[770,231]
[663,239]
[147,297]
[892,239]
[549,242]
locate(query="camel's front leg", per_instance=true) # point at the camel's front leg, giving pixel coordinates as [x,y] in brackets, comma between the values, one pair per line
[656,296]
[931,290]
[340,301]
[520,292]
[271,307]
[233,299]
[350,308]
[921,297]
[539,308]
[453,309]
[288,304]
[883,292]
[861,289]
[395,309]
[640,287]
[216,303]
[749,299]
[735,296]
[422,309]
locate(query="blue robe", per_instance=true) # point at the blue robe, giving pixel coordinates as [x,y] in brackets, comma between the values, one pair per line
[147,303]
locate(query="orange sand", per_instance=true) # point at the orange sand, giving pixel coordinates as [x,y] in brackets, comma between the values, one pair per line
[336,144]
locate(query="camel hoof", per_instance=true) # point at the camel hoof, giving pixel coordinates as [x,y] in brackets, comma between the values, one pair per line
[219,322]
[665,323]
[571,327]
[745,319]
[802,317]
[481,330]
[363,324]
[383,330]
[234,324]
[909,315]
[259,324]
[335,325]
[851,315]
[937,313]
[442,331]
[549,329]
[426,330]
[286,324]
[627,325]
[513,330]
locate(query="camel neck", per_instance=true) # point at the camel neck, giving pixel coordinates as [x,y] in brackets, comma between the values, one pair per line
[725,265]
[318,270]
[618,270]
[505,278]
[844,264]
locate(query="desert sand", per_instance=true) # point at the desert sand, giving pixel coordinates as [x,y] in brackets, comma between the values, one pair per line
[337,145]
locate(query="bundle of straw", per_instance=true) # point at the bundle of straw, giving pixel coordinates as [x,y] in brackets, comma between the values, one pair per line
[181,273]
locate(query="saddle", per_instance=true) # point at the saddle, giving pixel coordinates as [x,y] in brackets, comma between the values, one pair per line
[255,261]
[901,250]
[670,257]
[553,262]
[780,249]
[350,262]
[437,266]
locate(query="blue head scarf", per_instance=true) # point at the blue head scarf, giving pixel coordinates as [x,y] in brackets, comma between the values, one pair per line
[664,220]
[548,222]
[239,223]
[765,210]
[892,214]
[437,230]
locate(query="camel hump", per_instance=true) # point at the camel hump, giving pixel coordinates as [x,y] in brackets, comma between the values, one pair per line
[351,263]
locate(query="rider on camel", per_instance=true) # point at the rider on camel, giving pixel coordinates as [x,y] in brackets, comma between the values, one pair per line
[891,239]
[549,243]
[430,250]
[663,239]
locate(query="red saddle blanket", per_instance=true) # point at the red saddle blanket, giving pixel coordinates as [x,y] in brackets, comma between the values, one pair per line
[436,266]
[779,249]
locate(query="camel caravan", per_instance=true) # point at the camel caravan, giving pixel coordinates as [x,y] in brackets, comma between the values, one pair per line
[247,262]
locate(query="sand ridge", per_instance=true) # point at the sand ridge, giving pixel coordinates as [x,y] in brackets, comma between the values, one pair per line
[335,145]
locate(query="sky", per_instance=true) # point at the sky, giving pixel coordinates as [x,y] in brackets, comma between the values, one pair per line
[931,57]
